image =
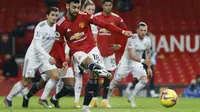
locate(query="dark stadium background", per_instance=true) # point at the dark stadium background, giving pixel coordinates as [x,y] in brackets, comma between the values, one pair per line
[175,24]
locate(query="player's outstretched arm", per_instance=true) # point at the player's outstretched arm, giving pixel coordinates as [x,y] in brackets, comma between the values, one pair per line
[110,27]
[148,58]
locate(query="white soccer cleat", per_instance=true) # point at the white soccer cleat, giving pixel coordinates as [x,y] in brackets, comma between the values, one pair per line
[101,73]
[154,94]
[132,101]
[85,109]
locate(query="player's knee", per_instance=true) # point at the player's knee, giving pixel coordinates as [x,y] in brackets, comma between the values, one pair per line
[25,82]
[42,83]
[55,77]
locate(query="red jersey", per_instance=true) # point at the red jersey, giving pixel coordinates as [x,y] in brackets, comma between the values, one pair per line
[57,53]
[78,32]
[105,38]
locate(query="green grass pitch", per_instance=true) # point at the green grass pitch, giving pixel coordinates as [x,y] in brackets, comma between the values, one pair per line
[119,104]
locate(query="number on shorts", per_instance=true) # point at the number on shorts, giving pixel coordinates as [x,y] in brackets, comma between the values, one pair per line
[112,61]
[97,58]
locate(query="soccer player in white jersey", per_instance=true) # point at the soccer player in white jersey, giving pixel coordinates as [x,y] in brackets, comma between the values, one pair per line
[37,57]
[131,62]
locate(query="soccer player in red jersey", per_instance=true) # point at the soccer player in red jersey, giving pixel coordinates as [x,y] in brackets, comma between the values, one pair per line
[75,28]
[107,45]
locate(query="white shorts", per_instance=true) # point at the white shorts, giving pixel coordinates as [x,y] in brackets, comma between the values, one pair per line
[67,49]
[69,74]
[110,62]
[31,65]
[94,54]
[137,71]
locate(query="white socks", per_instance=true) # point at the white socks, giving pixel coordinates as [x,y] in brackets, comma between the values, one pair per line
[48,88]
[59,86]
[18,87]
[112,86]
[141,84]
[78,87]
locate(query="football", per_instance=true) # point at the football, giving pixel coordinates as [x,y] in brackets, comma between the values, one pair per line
[168,98]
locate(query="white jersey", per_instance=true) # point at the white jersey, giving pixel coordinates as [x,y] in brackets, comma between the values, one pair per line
[139,47]
[44,37]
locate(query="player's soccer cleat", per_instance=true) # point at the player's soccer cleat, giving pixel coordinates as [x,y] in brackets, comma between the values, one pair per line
[85,109]
[8,103]
[154,94]
[105,103]
[55,103]
[25,102]
[94,103]
[101,73]
[132,101]
[76,105]
[44,103]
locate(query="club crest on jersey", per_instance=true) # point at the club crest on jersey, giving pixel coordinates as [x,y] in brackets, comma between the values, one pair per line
[79,58]
[81,25]
[77,36]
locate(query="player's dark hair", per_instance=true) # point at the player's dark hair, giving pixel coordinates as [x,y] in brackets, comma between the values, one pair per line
[141,24]
[75,1]
[55,9]
[87,2]
[104,1]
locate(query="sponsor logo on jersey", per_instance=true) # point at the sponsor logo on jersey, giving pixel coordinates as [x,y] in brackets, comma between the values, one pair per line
[139,50]
[81,25]
[77,35]
[103,30]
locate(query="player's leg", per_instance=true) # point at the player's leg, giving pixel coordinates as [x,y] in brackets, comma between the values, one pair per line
[88,63]
[53,73]
[94,101]
[18,87]
[28,72]
[68,87]
[35,88]
[151,85]
[59,86]
[141,75]
[121,72]
[91,86]
[110,64]
[131,85]
[78,84]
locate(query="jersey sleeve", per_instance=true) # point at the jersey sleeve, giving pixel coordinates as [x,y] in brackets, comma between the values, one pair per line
[122,25]
[149,43]
[130,43]
[38,33]
[60,32]
[108,26]
[94,29]
[37,41]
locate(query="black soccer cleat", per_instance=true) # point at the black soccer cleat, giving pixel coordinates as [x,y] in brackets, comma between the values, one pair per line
[55,103]
[25,102]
